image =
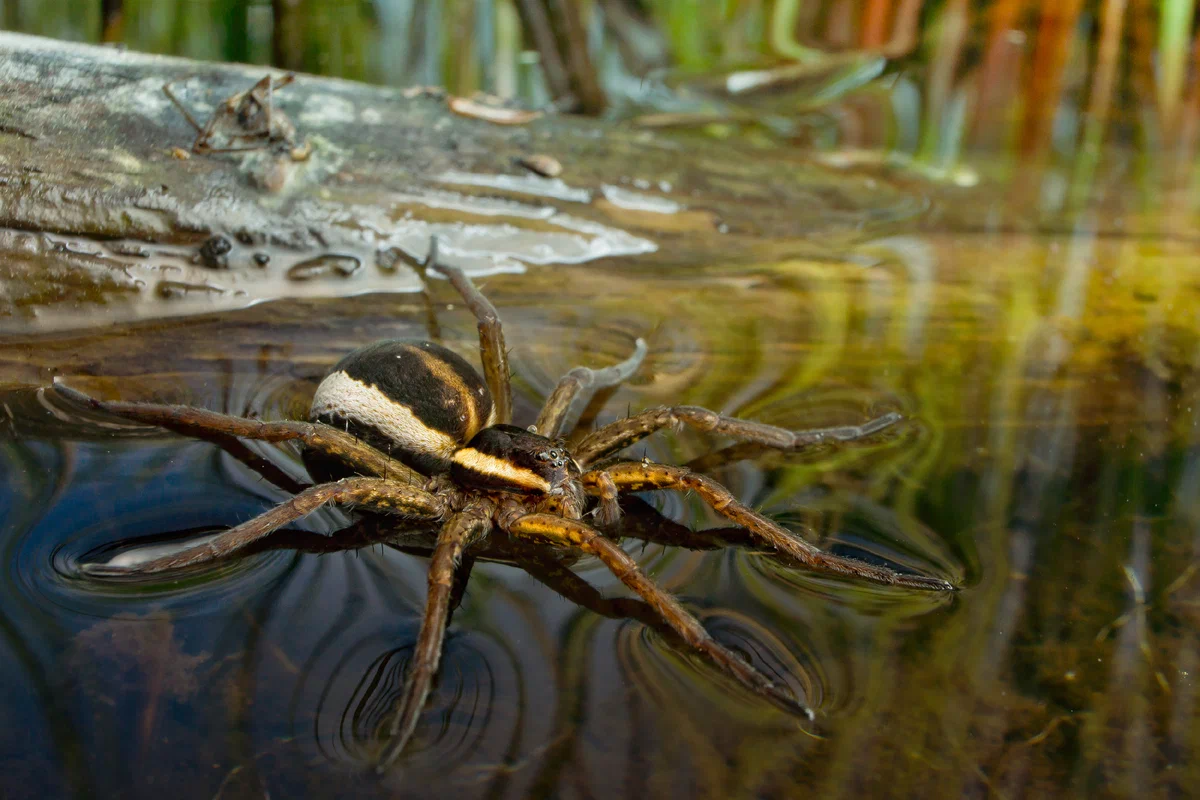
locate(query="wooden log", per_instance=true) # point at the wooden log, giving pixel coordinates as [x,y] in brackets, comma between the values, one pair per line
[106,215]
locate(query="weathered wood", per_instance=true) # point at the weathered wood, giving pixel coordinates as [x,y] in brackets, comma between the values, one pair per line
[98,210]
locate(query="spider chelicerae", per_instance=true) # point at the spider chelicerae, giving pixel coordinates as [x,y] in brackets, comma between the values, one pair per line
[424,437]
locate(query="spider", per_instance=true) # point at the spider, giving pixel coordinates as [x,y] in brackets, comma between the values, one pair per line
[424,437]
[248,116]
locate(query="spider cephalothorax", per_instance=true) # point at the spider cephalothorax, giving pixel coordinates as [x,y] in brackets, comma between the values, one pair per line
[423,436]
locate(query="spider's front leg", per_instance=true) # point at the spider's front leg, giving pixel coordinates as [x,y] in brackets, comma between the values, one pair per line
[616,436]
[459,532]
[577,535]
[575,390]
[202,422]
[492,350]
[373,494]
[640,476]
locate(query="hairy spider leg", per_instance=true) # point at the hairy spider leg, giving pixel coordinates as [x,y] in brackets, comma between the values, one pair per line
[640,520]
[814,439]
[201,422]
[200,129]
[492,350]
[267,469]
[620,434]
[459,532]
[373,494]
[570,533]
[575,390]
[556,576]
[638,476]
[422,269]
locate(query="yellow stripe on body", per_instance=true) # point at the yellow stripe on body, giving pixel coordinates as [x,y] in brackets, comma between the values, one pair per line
[450,376]
[472,459]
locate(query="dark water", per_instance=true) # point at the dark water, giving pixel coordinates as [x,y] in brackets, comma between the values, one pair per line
[1048,466]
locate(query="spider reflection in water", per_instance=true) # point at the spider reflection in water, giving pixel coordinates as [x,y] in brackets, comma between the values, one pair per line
[427,439]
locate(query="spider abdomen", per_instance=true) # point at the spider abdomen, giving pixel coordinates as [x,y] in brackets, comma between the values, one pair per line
[417,401]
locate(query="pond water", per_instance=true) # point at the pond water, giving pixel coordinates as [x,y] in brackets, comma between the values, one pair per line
[1047,465]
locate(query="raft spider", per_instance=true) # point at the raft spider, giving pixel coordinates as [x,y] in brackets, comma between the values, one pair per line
[427,438]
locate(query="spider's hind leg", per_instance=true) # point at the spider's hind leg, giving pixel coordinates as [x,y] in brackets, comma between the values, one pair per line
[577,535]
[201,131]
[620,434]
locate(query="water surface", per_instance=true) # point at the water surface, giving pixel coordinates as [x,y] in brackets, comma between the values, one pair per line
[1047,465]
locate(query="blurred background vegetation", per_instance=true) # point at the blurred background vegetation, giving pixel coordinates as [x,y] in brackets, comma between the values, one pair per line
[948,87]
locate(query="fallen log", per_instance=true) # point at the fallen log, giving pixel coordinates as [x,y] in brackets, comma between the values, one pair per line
[107,214]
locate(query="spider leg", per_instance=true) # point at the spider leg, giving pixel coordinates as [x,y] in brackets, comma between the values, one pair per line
[422,270]
[640,476]
[269,106]
[201,145]
[374,494]
[575,390]
[240,149]
[267,86]
[569,533]
[492,350]
[202,422]
[266,469]
[563,581]
[622,433]
[182,108]
[459,532]
[640,520]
